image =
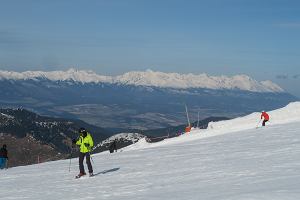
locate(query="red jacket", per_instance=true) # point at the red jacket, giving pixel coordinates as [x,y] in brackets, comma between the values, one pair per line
[265,116]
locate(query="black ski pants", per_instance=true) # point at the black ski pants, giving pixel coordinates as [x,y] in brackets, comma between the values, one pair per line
[264,122]
[88,162]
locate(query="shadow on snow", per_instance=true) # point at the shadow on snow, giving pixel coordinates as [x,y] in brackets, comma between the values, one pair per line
[107,171]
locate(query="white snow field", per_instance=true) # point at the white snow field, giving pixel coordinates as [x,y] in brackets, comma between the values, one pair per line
[238,162]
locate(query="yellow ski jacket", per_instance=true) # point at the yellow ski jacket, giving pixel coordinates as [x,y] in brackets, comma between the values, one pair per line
[86,143]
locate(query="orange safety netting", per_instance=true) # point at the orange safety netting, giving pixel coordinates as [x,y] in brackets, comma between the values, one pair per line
[188,129]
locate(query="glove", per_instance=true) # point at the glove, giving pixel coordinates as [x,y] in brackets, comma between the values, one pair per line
[73,141]
[87,145]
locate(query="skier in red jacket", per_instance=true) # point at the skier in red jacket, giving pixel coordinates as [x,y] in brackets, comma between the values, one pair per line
[265,116]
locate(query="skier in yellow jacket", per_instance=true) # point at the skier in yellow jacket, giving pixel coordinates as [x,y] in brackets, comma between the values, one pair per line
[85,141]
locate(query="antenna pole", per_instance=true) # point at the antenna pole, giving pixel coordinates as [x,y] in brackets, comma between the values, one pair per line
[187,115]
[198,120]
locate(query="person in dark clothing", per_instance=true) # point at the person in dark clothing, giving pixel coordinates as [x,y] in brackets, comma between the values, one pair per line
[3,157]
[113,146]
[85,141]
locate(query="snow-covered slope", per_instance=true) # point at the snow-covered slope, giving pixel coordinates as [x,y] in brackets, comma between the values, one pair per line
[247,164]
[287,114]
[150,78]
[134,137]
[290,113]
[121,137]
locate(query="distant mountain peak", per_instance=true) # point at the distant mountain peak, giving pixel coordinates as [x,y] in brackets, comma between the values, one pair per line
[150,78]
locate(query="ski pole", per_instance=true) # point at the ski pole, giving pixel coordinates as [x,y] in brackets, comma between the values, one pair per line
[93,149]
[6,163]
[92,160]
[70,159]
[258,123]
[73,145]
[91,157]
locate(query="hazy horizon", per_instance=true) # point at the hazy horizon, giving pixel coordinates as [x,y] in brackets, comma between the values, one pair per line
[258,38]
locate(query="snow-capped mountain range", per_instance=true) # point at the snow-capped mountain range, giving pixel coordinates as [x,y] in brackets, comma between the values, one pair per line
[150,78]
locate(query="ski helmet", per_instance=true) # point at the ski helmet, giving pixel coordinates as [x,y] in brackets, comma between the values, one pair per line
[81,130]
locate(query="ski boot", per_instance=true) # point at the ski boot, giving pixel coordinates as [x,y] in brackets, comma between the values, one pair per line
[80,175]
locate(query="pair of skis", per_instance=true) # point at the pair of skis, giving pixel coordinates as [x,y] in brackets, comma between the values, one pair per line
[79,176]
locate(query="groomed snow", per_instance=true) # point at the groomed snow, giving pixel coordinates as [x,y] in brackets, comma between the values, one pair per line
[236,164]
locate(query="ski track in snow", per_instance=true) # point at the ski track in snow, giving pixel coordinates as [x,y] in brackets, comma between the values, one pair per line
[249,164]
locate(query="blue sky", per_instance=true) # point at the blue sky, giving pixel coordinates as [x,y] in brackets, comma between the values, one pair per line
[260,38]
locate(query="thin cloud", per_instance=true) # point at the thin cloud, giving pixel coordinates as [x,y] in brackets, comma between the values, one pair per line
[296,76]
[289,25]
[282,76]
